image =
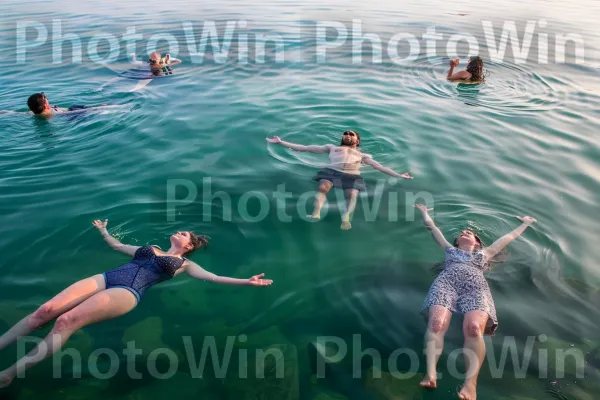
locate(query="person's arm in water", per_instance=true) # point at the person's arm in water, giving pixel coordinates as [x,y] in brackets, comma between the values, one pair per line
[369,161]
[197,272]
[298,147]
[501,243]
[459,76]
[112,242]
[435,231]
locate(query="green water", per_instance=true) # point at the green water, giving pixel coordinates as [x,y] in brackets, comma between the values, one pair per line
[524,143]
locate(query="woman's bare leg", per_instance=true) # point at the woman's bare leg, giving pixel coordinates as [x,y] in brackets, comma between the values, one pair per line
[439,320]
[320,197]
[473,329]
[59,304]
[108,304]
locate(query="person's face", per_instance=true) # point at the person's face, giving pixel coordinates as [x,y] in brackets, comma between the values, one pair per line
[46,102]
[154,59]
[182,240]
[467,238]
[350,138]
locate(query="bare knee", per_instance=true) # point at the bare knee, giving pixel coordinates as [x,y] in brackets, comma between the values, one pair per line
[437,326]
[472,330]
[41,316]
[65,323]
[324,187]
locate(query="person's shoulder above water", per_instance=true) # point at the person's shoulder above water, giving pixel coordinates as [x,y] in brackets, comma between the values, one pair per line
[473,73]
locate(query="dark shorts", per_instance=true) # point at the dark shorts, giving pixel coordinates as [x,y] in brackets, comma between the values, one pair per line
[341,180]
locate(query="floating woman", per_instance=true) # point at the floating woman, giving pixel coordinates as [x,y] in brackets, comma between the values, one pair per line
[111,294]
[462,288]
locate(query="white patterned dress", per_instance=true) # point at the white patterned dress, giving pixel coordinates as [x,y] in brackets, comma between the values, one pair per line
[461,286]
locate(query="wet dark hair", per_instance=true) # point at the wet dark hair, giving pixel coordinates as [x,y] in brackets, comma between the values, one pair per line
[37,102]
[475,67]
[357,135]
[198,241]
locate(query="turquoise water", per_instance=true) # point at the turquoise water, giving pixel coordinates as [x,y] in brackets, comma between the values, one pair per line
[524,143]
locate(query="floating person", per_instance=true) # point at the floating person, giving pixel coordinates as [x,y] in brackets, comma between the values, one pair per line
[473,73]
[40,106]
[111,294]
[158,67]
[343,171]
[462,288]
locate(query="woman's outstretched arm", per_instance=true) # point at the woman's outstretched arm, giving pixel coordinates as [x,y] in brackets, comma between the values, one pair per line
[112,242]
[501,243]
[197,272]
[435,231]
[298,147]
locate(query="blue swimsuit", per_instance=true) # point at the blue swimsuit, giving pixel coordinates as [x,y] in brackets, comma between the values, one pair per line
[145,270]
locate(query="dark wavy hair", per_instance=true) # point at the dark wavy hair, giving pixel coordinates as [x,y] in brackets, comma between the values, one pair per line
[357,135]
[198,241]
[475,67]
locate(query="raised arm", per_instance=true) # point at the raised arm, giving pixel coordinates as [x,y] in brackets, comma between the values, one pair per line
[298,147]
[172,61]
[112,242]
[197,272]
[435,231]
[368,160]
[501,243]
[459,76]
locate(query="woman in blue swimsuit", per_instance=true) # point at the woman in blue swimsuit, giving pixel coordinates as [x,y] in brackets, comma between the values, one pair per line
[111,294]
[462,288]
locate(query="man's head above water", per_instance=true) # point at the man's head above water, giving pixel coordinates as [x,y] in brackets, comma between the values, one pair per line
[38,103]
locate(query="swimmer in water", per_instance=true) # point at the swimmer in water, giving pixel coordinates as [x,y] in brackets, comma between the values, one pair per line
[158,66]
[111,294]
[462,288]
[161,66]
[473,73]
[343,171]
[40,106]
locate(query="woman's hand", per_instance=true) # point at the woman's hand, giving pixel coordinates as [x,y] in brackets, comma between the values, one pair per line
[423,208]
[100,224]
[257,280]
[406,175]
[275,140]
[455,62]
[527,220]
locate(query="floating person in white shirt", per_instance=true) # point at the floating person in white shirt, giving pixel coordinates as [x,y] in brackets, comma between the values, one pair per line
[343,171]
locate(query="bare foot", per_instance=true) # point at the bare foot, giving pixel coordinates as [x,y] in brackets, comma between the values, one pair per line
[5,380]
[314,216]
[429,382]
[468,391]
[346,225]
